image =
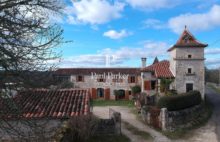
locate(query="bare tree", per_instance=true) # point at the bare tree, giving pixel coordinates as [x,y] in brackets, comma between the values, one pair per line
[28,38]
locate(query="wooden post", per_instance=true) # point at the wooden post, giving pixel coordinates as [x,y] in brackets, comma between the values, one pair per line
[126,95]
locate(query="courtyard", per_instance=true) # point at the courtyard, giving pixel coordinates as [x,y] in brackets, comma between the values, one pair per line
[208,132]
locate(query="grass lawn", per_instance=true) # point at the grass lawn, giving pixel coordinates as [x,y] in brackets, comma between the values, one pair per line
[137,132]
[110,138]
[127,103]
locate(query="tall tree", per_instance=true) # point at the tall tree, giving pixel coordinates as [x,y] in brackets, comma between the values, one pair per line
[28,37]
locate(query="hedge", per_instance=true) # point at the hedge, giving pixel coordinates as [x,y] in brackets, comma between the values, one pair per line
[181,101]
[136,89]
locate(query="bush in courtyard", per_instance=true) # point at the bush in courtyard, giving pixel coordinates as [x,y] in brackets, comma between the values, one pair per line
[136,89]
[165,84]
[181,101]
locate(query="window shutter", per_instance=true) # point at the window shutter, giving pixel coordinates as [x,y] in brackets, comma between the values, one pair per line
[129,79]
[136,79]
[147,85]
[82,78]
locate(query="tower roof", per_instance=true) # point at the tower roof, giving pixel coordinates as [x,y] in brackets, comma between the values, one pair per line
[187,40]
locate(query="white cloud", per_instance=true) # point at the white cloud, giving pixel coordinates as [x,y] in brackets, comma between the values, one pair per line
[117,34]
[196,22]
[212,51]
[213,62]
[94,11]
[151,4]
[154,23]
[117,57]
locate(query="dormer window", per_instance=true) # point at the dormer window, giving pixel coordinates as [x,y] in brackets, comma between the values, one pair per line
[186,38]
[189,56]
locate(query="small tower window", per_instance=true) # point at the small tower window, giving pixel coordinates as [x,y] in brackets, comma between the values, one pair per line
[189,56]
[189,70]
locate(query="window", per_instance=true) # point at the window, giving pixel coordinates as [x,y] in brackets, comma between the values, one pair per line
[129,92]
[189,56]
[80,78]
[131,79]
[153,85]
[189,71]
[117,79]
[189,87]
[100,80]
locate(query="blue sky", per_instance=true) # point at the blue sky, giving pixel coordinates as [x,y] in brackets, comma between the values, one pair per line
[117,33]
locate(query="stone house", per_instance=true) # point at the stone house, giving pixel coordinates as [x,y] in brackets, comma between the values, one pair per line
[185,68]
[102,82]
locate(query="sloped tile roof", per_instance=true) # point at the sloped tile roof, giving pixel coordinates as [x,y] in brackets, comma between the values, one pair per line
[191,41]
[161,69]
[88,71]
[43,103]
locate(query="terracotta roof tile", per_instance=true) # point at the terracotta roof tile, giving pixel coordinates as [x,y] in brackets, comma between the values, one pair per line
[43,103]
[161,69]
[191,42]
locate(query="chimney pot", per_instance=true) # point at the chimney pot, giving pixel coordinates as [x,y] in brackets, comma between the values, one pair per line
[144,61]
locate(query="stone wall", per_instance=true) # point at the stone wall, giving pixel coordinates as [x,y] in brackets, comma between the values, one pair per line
[110,126]
[182,118]
[90,82]
[172,120]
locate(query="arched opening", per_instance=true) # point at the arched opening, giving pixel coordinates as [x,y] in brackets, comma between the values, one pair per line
[100,93]
[121,94]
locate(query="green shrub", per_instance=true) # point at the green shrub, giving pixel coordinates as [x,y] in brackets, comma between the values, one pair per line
[171,93]
[181,101]
[136,89]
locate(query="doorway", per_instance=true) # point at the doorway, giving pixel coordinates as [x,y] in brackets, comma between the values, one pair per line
[189,87]
[100,93]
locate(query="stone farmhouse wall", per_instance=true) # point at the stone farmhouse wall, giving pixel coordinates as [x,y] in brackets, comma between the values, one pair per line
[109,86]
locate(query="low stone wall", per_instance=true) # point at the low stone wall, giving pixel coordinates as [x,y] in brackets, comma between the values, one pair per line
[110,126]
[182,118]
[172,120]
[105,127]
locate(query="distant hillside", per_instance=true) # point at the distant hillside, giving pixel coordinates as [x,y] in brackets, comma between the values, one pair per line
[212,75]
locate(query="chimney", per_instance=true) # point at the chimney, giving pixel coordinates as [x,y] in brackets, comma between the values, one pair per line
[143,60]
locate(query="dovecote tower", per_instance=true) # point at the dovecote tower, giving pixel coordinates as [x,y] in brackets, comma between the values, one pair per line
[187,64]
